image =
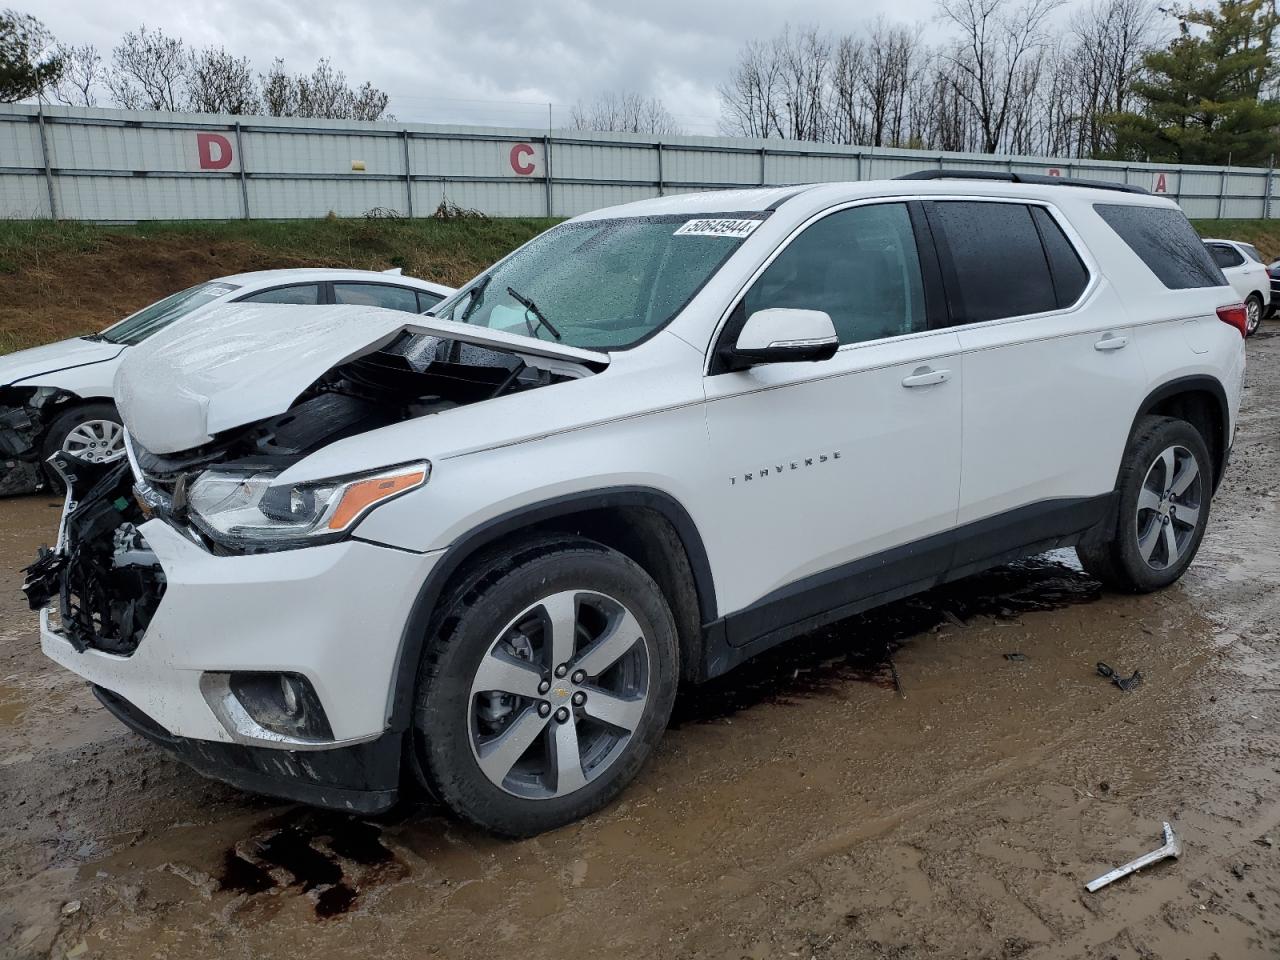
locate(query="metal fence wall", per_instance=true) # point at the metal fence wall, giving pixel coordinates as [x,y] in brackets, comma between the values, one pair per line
[118,165]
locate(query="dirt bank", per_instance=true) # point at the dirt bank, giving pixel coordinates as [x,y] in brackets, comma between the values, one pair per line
[800,807]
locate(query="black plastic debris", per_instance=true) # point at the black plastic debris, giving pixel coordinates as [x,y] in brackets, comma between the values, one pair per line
[1124,683]
[1015,657]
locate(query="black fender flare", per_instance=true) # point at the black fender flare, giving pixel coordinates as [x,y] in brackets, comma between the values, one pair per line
[414,634]
[1192,384]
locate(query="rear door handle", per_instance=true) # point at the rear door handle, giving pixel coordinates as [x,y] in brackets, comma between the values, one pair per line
[926,377]
[1111,342]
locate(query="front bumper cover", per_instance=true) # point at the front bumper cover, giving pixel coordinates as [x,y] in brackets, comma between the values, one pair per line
[363,778]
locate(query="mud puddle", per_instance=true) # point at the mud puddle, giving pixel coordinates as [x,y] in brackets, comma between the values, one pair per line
[331,857]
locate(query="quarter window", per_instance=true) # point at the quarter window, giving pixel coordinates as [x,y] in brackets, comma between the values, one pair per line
[860,266]
[303,293]
[1166,242]
[1000,265]
[376,295]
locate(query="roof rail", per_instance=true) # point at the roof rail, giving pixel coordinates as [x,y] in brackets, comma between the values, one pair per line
[1034,178]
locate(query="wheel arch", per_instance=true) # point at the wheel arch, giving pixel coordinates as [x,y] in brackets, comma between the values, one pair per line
[1200,400]
[647,525]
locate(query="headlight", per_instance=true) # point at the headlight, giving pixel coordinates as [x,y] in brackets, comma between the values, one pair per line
[247,508]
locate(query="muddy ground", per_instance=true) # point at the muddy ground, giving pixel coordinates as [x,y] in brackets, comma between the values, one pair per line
[801,807]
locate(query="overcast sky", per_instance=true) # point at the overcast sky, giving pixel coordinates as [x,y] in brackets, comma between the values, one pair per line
[498,62]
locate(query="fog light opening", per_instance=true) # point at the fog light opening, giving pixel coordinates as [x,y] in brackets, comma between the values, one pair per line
[268,707]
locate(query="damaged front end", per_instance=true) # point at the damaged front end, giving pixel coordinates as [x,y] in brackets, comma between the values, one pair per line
[25,415]
[105,579]
[108,584]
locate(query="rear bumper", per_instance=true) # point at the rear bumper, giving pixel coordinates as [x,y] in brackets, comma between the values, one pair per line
[363,778]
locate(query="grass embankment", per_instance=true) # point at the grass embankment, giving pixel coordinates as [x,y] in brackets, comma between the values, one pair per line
[58,280]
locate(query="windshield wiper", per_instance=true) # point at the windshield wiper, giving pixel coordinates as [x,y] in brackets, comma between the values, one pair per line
[477,294]
[533,308]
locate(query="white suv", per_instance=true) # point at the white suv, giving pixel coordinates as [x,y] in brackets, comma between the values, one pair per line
[1247,272]
[651,443]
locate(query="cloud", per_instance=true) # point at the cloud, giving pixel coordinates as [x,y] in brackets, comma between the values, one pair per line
[458,61]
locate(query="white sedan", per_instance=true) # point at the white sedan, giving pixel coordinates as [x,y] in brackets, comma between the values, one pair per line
[1247,272]
[58,396]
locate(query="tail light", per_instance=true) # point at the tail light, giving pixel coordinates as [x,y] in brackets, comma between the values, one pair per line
[1236,315]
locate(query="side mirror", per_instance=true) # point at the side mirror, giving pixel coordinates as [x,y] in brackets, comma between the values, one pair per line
[783,335]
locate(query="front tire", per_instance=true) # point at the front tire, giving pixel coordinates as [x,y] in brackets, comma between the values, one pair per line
[1253,309]
[547,680]
[1166,482]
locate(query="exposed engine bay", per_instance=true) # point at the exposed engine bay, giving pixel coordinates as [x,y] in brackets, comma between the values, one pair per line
[107,582]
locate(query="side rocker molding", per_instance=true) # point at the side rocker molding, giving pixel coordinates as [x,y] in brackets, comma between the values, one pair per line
[490,531]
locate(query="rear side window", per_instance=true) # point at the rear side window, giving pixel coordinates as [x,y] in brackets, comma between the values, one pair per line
[1252,251]
[376,295]
[1000,266]
[304,293]
[427,300]
[1069,275]
[1166,242]
[1225,256]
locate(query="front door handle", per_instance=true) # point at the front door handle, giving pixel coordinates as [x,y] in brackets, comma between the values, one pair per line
[926,377]
[1111,342]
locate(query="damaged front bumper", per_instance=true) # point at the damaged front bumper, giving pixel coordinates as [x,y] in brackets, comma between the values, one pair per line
[181,654]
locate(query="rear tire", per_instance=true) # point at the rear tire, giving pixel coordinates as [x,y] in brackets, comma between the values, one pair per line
[1254,310]
[92,431]
[1165,485]
[547,679]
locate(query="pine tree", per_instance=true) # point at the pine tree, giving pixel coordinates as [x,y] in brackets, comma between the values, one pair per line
[25,67]
[1207,94]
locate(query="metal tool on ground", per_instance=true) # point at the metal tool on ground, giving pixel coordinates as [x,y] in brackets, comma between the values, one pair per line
[1172,849]
[1124,683]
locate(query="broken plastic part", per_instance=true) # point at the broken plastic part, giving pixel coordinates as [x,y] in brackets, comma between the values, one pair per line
[1124,683]
[1172,849]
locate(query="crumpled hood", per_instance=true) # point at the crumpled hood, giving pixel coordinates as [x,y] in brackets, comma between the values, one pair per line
[246,362]
[53,357]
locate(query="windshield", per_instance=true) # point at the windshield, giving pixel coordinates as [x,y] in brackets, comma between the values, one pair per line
[601,284]
[137,327]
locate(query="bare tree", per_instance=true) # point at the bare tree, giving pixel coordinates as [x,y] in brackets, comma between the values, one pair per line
[997,39]
[1108,40]
[847,105]
[324,93]
[806,77]
[749,98]
[625,113]
[82,76]
[149,71]
[218,82]
[892,54]
[279,91]
[370,103]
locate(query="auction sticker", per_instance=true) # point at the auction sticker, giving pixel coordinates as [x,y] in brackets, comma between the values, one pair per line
[717,228]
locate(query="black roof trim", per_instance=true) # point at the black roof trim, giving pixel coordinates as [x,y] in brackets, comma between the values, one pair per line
[1030,178]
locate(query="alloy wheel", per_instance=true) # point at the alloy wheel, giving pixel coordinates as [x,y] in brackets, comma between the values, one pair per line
[558,694]
[98,441]
[1169,507]
[1253,315]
